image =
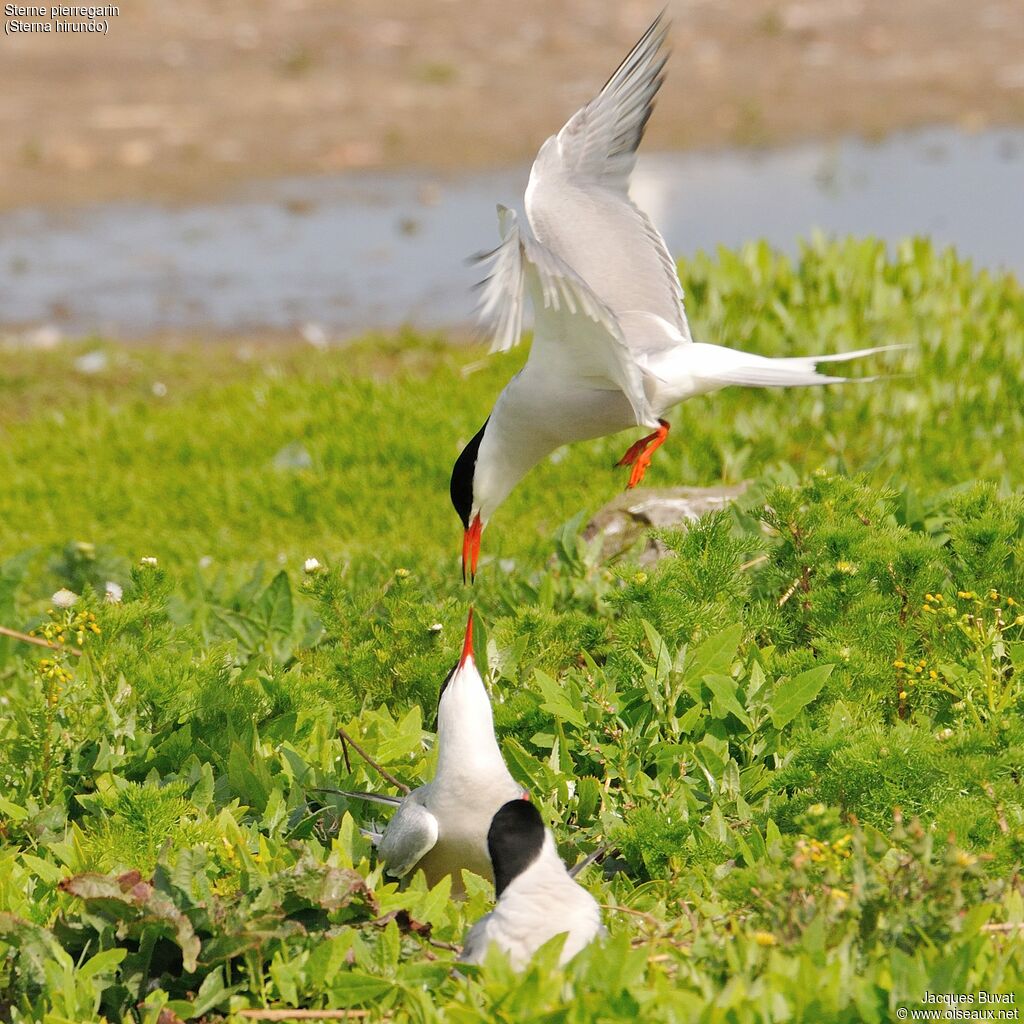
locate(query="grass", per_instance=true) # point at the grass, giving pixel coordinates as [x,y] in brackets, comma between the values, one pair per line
[803,733]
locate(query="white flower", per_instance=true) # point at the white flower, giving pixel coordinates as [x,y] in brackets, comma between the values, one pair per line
[113,592]
[149,561]
[64,598]
[436,627]
[311,565]
[206,561]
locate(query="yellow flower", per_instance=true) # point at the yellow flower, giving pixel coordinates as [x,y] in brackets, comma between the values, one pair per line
[903,694]
[765,939]
[933,674]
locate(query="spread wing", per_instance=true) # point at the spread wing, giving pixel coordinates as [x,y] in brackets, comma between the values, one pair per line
[409,836]
[576,337]
[578,201]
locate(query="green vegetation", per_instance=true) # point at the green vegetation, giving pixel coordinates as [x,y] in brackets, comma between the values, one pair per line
[803,733]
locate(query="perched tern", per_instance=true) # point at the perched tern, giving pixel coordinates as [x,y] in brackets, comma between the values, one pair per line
[611,345]
[537,897]
[442,826]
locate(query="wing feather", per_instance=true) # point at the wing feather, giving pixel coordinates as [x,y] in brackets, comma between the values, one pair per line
[600,140]
[410,835]
[578,200]
[577,335]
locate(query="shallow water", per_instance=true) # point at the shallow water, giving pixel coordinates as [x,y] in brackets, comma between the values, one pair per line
[379,249]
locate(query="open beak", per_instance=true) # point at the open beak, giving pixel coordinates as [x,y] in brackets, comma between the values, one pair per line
[467,644]
[471,548]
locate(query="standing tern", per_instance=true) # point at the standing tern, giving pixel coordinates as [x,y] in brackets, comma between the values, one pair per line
[537,897]
[442,826]
[611,345]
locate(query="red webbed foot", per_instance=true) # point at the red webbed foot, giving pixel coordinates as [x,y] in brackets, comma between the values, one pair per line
[639,455]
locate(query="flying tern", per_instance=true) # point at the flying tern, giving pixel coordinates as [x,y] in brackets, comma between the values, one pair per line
[537,897]
[441,827]
[611,345]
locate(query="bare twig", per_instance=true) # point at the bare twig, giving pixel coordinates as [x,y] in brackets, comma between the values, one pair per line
[754,561]
[1004,825]
[384,773]
[39,641]
[789,593]
[1007,926]
[304,1014]
[643,915]
[344,752]
[691,916]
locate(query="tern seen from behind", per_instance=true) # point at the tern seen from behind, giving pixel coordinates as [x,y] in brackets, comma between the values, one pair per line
[537,897]
[611,345]
[441,827]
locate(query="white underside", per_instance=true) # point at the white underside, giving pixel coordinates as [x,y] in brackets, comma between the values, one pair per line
[539,904]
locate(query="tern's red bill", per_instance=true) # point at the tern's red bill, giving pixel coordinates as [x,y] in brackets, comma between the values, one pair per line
[467,644]
[471,548]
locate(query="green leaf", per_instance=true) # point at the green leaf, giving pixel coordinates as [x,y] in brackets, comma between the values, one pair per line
[725,702]
[102,963]
[793,695]
[13,811]
[714,655]
[129,899]
[275,605]
[556,702]
[662,657]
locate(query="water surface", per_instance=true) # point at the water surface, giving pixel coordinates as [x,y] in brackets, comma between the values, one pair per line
[381,249]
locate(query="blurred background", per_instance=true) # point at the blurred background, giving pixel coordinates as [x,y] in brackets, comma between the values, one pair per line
[313,169]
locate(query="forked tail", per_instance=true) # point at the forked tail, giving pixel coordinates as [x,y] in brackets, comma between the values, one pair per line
[726,366]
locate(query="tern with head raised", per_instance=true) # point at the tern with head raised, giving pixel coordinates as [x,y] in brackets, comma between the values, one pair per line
[441,827]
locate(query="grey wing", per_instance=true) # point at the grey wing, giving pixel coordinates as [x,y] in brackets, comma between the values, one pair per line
[477,940]
[599,142]
[577,336]
[409,836]
[578,202]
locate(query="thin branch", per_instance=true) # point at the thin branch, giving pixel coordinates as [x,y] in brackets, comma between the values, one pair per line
[1004,825]
[688,910]
[384,773]
[305,1014]
[39,641]
[754,561]
[344,751]
[643,915]
[789,593]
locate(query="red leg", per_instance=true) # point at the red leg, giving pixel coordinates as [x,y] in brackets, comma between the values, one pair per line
[643,457]
[635,449]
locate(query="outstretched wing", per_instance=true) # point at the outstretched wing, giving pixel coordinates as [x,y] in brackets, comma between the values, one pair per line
[577,337]
[409,836]
[599,142]
[578,201]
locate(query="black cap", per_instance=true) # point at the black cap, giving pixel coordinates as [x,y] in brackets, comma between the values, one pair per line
[461,487]
[514,841]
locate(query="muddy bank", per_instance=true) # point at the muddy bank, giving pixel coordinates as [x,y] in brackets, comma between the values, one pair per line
[179,100]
